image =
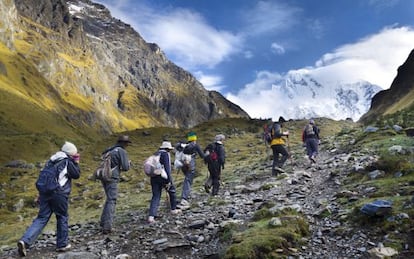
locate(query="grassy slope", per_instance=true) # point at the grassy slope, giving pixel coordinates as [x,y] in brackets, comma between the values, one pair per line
[135,191]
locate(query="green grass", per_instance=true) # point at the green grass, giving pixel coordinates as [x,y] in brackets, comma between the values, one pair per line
[261,240]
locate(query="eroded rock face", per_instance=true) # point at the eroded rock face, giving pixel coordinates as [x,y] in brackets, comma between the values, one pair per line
[81,49]
[402,85]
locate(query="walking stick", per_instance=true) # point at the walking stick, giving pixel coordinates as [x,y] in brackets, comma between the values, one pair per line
[290,155]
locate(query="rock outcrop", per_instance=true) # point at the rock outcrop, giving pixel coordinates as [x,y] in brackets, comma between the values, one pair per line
[398,97]
[105,74]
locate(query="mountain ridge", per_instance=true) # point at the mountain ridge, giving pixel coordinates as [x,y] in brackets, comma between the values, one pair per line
[398,98]
[104,74]
[310,97]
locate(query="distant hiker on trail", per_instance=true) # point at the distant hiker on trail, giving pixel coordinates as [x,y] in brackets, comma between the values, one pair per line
[310,136]
[119,162]
[280,154]
[189,170]
[158,183]
[215,157]
[65,167]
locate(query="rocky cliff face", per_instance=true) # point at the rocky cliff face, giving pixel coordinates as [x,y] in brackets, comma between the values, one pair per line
[398,97]
[104,73]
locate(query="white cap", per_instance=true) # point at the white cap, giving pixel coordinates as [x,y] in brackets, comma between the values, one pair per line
[166,145]
[69,148]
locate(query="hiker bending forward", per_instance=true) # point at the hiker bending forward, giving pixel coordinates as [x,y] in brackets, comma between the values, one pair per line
[67,163]
[280,154]
[119,162]
[189,170]
[216,165]
[158,183]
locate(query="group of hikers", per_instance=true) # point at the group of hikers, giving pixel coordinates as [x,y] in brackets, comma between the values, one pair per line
[275,136]
[66,163]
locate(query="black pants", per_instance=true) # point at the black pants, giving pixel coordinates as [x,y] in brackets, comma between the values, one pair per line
[215,171]
[280,155]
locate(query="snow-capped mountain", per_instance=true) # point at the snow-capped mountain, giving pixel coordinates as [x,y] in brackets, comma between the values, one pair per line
[305,95]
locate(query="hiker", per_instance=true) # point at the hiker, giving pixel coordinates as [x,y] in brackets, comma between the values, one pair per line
[66,162]
[280,154]
[189,170]
[215,159]
[119,162]
[158,183]
[310,137]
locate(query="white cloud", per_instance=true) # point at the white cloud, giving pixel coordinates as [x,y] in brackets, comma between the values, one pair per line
[210,82]
[382,4]
[278,49]
[374,59]
[270,16]
[184,35]
[248,54]
[257,98]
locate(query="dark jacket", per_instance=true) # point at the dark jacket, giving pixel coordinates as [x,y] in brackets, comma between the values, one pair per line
[119,160]
[193,148]
[221,153]
[68,169]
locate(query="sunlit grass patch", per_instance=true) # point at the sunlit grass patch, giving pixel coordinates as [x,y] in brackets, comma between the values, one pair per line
[263,240]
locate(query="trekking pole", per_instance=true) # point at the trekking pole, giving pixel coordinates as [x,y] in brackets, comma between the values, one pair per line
[290,154]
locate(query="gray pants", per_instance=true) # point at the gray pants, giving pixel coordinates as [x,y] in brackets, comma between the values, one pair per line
[188,182]
[107,217]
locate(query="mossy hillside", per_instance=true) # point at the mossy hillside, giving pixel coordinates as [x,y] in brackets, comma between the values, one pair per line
[395,186]
[244,148]
[263,240]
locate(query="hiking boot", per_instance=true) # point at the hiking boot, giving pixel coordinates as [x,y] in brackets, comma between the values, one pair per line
[21,248]
[184,202]
[64,249]
[151,219]
[313,159]
[176,211]
[207,188]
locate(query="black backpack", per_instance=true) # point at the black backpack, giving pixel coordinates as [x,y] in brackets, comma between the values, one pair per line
[48,181]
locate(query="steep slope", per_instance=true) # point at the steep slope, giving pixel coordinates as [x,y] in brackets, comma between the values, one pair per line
[93,70]
[399,97]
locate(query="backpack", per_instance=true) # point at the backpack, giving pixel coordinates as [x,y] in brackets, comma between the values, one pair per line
[212,153]
[182,158]
[47,182]
[104,170]
[309,131]
[153,166]
[275,130]
[267,135]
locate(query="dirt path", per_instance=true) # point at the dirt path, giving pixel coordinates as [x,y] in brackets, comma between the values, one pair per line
[193,234]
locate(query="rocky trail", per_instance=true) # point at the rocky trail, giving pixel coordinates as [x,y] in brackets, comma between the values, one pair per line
[310,189]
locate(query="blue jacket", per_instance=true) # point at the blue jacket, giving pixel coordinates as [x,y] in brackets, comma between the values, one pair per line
[68,169]
[165,160]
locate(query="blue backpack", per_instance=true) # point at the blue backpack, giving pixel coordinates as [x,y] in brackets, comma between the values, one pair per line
[47,182]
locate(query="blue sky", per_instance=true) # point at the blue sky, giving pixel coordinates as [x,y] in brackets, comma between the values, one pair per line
[229,45]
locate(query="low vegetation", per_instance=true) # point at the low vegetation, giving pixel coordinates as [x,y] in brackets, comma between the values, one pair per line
[256,240]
